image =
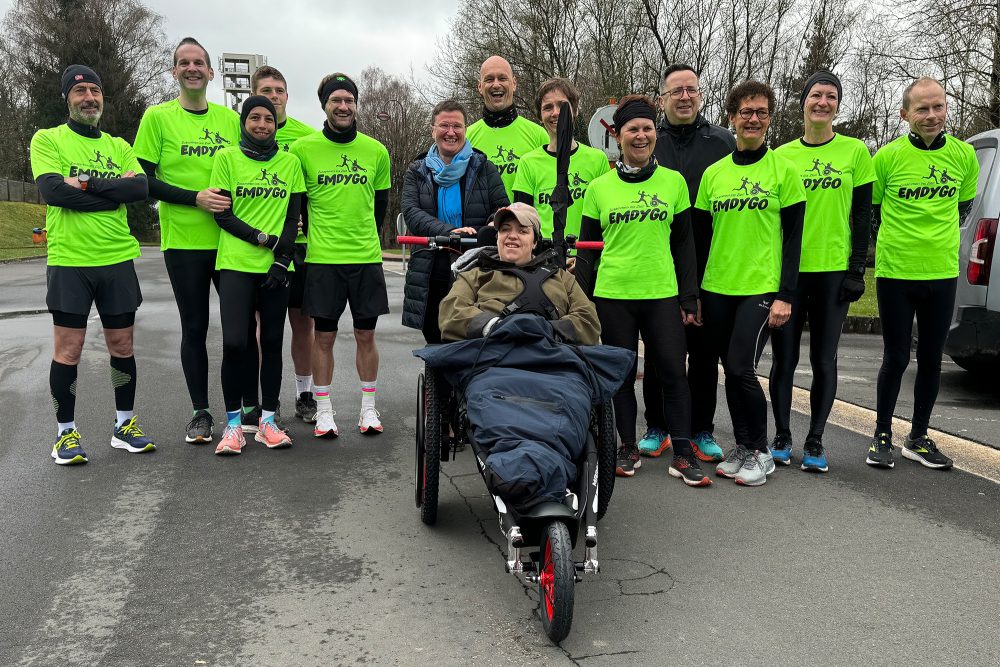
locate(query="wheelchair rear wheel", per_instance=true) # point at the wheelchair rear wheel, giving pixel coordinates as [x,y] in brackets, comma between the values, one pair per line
[606,453]
[428,446]
[556,582]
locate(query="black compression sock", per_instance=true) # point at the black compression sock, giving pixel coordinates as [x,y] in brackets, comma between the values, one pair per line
[62,384]
[682,447]
[123,381]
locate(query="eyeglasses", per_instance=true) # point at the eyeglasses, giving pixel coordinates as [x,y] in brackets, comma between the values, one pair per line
[747,114]
[450,127]
[337,101]
[678,93]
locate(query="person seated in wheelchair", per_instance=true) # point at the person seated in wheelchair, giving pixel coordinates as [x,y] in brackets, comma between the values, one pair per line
[527,363]
[510,280]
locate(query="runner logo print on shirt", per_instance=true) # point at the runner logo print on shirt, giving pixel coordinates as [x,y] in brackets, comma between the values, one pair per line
[822,176]
[750,202]
[209,143]
[272,186]
[106,167]
[576,192]
[348,172]
[647,207]
[940,189]
[505,160]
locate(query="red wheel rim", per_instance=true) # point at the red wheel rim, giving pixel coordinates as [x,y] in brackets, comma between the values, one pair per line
[547,580]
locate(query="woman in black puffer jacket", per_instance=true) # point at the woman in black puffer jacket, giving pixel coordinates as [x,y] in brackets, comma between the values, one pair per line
[452,188]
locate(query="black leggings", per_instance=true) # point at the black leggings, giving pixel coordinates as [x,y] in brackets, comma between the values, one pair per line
[659,322]
[817,300]
[702,379]
[240,295]
[932,301]
[191,272]
[738,328]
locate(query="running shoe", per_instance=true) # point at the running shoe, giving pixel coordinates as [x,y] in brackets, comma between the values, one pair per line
[813,456]
[305,407]
[232,441]
[781,449]
[880,451]
[686,469]
[325,426]
[251,419]
[628,461]
[733,462]
[67,451]
[368,422]
[199,429]
[925,452]
[130,437]
[272,436]
[706,448]
[278,419]
[754,469]
[655,442]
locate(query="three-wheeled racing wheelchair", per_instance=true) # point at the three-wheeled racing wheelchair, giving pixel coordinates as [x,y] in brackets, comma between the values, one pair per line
[524,401]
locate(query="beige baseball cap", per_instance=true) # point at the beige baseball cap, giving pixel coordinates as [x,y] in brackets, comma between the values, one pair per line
[525,215]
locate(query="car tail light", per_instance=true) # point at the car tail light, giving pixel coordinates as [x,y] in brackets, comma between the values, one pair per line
[981,253]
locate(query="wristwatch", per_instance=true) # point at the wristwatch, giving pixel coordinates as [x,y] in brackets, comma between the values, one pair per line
[261,238]
[84,178]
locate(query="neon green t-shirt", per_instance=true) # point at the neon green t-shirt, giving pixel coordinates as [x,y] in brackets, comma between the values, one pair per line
[183,146]
[260,192]
[536,176]
[919,191]
[635,222]
[745,202]
[286,135]
[505,146]
[341,180]
[829,174]
[81,238]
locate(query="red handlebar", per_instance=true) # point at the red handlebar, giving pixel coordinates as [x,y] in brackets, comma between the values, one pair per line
[413,240]
[589,245]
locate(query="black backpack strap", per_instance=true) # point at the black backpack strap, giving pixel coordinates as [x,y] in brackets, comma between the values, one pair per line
[532,298]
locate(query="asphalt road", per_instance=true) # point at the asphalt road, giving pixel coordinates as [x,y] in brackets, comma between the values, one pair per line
[315,555]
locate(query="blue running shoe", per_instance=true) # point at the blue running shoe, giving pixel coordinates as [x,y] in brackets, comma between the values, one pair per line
[655,442]
[813,456]
[706,448]
[781,449]
[67,450]
[130,437]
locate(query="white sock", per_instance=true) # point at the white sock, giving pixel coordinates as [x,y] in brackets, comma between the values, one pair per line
[303,383]
[123,416]
[322,395]
[368,394]
[65,425]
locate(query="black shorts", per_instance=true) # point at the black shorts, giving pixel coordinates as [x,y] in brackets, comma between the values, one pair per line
[72,290]
[298,288]
[331,287]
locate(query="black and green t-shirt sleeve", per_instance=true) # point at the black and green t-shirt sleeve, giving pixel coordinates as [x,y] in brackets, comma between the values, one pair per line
[228,222]
[685,264]
[56,192]
[162,191]
[381,205]
[120,190]
[792,217]
[587,260]
[861,226]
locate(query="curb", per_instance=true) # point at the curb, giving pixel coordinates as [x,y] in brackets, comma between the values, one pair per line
[392,258]
[857,324]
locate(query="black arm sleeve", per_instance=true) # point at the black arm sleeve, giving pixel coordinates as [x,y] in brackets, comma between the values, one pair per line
[685,265]
[228,221]
[290,229]
[381,206]
[791,249]
[523,198]
[964,208]
[121,190]
[56,192]
[876,220]
[587,261]
[701,230]
[164,191]
[861,227]
[304,213]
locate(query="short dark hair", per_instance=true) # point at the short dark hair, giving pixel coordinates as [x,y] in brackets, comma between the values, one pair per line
[920,81]
[265,72]
[565,86]
[195,42]
[449,105]
[673,69]
[746,89]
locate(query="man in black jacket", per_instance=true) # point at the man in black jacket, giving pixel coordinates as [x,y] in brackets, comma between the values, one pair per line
[688,143]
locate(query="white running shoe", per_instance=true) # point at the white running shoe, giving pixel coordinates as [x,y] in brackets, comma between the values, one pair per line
[325,426]
[368,422]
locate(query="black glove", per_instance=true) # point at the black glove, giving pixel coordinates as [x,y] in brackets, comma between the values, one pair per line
[277,276]
[564,330]
[852,287]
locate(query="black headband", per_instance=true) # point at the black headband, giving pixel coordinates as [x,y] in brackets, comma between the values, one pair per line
[822,76]
[337,82]
[631,110]
[75,74]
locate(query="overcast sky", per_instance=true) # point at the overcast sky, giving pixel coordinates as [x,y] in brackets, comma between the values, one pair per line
[306,40]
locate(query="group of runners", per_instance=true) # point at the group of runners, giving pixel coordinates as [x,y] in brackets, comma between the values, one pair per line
[712,243]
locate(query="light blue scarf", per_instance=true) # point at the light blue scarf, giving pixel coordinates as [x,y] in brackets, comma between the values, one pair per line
[447,177]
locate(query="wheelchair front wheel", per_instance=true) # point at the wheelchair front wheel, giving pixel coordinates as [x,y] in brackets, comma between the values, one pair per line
[556,582]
